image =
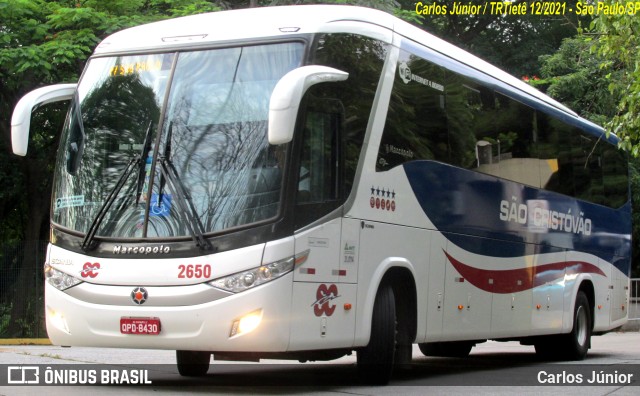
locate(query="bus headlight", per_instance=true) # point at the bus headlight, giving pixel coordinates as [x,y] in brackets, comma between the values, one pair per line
[59,279]
[245,280]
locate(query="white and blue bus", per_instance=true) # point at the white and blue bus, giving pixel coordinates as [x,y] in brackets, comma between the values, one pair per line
[303,182]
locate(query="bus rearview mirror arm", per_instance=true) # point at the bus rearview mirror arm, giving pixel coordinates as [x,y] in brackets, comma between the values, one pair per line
[287,95]
[21,118]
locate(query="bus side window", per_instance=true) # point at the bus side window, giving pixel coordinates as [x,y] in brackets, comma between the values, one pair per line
[333,123]
[471,114]
[320,165]
[319,159]
[416,125]
[506,135]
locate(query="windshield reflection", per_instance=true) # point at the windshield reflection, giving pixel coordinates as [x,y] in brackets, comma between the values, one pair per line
[214,126]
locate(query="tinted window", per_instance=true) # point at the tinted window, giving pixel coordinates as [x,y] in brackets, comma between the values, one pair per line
[416,126]
[362,58]
[437,114]
[580,165]
[333,123]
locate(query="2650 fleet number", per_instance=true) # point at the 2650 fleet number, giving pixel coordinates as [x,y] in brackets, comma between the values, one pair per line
[190,271]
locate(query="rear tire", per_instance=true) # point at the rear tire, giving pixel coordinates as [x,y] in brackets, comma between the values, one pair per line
[375,361]
[193,363]
[574,345]
[578,342]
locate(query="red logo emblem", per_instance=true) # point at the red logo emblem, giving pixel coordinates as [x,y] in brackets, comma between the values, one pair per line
[139,295]
[324,295]
[90,270]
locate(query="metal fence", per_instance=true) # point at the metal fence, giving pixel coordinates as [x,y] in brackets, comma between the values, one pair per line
[21,289]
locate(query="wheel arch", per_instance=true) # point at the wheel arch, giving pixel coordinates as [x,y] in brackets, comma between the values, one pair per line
[397,273]
[584,283]
[587,287]
[403,284]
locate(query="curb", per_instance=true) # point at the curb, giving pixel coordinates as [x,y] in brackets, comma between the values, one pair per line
[25,341]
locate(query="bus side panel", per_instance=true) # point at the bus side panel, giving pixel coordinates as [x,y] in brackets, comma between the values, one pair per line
[434,302]
[548,294]
[323,244]
[324,289]
[620,297]
[322,316]
[349,250]
[384,246]
[602,308]
[467,308]
[512,303]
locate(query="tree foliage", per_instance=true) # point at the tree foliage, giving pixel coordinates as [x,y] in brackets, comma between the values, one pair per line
[572,76]
[511,42]
[617,45]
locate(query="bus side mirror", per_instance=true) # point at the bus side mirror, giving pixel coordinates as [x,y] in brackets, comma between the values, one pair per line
[287,94]
[21,118]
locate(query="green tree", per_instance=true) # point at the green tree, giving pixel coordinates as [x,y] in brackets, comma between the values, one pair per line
[617,44]
[572,76]
[511,42]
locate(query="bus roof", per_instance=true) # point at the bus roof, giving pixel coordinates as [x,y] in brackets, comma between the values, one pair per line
[272,22]
[250,23]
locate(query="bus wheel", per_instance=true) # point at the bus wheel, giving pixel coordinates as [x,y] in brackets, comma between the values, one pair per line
[193,363]
[375,361]
[459,349]
[574,345]
[577,342]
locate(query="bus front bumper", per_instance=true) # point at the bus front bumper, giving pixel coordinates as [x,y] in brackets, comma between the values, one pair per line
[209,326]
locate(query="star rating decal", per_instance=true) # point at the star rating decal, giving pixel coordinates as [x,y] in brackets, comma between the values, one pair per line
[383,198]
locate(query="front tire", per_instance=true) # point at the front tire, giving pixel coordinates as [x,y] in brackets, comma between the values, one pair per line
[375,361]
[193,363]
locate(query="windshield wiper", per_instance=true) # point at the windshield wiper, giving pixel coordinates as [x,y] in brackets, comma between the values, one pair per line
[146,146]
[169,173]
[139,161]
[188,210]
[93,228]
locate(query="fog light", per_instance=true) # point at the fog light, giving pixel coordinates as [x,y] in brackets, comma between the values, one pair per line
[246,324]
[58,320]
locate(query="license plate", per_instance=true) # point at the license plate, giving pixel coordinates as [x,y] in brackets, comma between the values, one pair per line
[148,326]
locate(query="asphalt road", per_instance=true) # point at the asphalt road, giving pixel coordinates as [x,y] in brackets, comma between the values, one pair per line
[492,368]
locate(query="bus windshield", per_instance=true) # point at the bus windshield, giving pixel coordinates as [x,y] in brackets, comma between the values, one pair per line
[146,133]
